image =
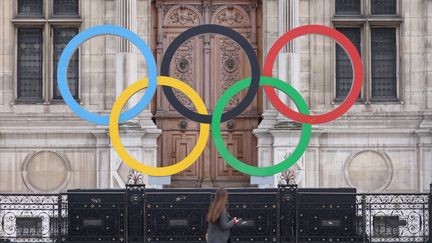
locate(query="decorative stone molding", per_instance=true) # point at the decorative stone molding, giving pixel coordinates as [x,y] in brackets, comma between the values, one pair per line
[384,172]
[135,178]
[33,167]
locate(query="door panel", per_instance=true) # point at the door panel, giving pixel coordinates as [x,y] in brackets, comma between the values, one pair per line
[210,64]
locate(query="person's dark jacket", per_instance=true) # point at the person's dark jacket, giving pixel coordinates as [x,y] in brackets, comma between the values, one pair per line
[219,231]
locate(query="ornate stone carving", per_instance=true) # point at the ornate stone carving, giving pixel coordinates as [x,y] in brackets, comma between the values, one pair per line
[230,16]
[230,71]
[182,16]
[160,7]
[135,178]
[207,6]
[287,177]
[253,5]
[184,70]
[295,174]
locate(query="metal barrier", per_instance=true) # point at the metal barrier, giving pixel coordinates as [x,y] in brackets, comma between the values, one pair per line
[395,217]
[283,214]
[179,215]
[96,216]
[32,218]
[327,216]
[176,215]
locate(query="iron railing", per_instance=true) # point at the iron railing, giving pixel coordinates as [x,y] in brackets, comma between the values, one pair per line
[286,214]
[32,218]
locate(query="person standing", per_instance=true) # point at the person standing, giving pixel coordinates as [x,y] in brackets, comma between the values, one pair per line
[219,221]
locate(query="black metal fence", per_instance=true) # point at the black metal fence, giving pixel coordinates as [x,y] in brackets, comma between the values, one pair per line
[32,218]
[283,214]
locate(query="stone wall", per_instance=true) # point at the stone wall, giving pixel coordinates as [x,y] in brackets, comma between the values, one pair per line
[32,134]
[376,146]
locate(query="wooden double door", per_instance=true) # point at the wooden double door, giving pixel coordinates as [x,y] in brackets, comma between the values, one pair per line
[209,63]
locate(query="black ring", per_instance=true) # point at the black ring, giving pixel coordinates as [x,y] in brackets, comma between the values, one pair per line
[216,29]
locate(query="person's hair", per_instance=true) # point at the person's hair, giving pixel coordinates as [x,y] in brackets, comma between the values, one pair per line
[218,205]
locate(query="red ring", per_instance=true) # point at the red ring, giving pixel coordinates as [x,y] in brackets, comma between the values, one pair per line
[353,54]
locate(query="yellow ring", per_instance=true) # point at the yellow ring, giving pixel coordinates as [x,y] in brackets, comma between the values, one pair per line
[150,170]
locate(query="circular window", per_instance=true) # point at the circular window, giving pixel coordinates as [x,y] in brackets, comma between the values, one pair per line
[369,171]
[183,65]
[230,65]
[46,171]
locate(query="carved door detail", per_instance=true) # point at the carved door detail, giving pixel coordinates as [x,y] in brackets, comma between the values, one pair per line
[210,64]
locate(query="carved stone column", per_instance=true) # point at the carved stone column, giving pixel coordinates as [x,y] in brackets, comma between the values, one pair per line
[126,58]
[139,136]
[427,120]
[271,142]
[102,158]
[131,138]
[425,130]
[289,56]
[285,140]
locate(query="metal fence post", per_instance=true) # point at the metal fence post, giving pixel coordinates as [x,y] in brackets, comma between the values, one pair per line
[59,218]
[430,213]
[280,213]
[134,205]
[363,203]
[288,213]
[296,222]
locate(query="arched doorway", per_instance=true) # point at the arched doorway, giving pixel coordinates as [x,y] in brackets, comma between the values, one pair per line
[210,64]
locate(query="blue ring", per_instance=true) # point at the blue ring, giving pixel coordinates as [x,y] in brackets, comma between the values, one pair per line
[106,30]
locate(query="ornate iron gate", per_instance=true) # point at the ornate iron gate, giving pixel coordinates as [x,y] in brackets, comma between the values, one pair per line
[283,214]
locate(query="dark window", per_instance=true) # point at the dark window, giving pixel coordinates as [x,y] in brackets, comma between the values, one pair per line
[61,38]
[30,8]
[347,7]
[344,71]
[65,7]
[29,64]
[383,6]
[383,63]
[29,227]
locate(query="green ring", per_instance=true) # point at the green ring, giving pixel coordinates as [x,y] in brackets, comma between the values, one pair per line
[253,170]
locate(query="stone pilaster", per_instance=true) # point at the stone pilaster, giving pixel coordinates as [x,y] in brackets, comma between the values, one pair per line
[264,146]
[126,56]
[427,120]
[140,135]
[279,17]
[102,156]
[289,57]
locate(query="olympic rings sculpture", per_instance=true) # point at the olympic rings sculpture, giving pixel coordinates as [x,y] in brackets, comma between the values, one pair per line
[206,120]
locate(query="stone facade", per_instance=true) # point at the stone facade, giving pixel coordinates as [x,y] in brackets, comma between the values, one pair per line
[376,146]
[86,159]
